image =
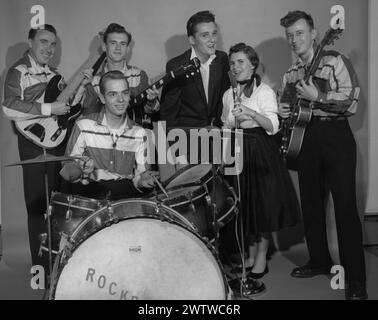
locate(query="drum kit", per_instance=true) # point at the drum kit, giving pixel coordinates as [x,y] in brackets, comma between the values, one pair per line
[163,245]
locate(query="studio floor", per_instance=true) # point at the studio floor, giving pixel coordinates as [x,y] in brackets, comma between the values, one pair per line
[15,275]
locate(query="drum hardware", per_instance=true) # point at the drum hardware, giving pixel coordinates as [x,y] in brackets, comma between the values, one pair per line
[110,214]
[165,267]
[69,211]
[160,186]
[68,214]
[42,240]
[207,197]
[189,195]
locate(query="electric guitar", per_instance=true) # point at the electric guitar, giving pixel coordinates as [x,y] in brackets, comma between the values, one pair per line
[137,102]
[294,127]
[49,132]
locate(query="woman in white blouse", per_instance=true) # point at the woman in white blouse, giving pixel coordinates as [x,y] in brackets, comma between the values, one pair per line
[267,198]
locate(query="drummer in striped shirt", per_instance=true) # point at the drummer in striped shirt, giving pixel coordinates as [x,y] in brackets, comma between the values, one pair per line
[113,149]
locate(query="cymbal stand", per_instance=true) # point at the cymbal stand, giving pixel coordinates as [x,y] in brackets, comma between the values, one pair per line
[48,213]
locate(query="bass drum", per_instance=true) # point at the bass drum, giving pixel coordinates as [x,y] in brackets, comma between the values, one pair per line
[137,249]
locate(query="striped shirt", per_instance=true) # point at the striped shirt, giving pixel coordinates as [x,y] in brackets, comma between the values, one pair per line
[136,78]
[336,82]
[24,89]
[120,154]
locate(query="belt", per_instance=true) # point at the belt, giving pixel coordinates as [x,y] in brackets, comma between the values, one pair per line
[315,118]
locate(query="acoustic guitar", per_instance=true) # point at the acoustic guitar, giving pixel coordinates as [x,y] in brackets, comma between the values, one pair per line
[294,127]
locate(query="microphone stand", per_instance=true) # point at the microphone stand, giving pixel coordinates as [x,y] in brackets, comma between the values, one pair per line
[214,210]
[236,98]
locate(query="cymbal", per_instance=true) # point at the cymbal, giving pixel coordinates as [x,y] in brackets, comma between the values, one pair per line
[42,159]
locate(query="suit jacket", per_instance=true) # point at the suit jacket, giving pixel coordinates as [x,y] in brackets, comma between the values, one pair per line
[183,102]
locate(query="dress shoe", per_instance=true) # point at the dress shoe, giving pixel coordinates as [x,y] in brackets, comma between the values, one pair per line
[253,288]
[249,288]
[356,290]
[308,271]
[258,275]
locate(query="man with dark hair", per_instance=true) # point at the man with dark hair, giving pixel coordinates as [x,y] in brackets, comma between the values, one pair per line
[24,92]
[113,148]
[197,101]
[116,44]
[327,160]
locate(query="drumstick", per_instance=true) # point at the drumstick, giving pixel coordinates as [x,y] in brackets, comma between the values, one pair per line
[160,186]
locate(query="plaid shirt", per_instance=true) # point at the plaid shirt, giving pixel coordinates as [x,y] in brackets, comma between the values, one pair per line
[335,80]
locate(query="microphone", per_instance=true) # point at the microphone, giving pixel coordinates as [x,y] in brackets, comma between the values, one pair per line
[234,86]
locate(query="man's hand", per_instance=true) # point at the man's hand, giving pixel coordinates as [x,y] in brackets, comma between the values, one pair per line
[284,110]
[59,108]
[86,164]
[152,95]
[87,77]
[147,180]
[308,92]
[87,167]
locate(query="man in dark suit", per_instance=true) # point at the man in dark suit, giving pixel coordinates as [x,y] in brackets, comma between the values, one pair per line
[196,101]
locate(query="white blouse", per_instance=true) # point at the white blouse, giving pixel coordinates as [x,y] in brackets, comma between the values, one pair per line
[263,101]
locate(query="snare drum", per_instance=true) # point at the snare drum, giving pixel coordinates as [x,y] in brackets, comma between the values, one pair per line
[141,250]
[202,175]
[193,203]
[67,211]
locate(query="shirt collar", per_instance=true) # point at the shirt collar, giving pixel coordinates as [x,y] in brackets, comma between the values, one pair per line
[302,63]
[208,62]
[101,120]
[124,69]
[37,67]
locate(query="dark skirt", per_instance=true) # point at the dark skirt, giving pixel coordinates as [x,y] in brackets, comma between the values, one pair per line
[268,199]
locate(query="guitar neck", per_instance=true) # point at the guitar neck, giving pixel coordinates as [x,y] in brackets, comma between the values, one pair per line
[71,88]
[158,84]
[314,64]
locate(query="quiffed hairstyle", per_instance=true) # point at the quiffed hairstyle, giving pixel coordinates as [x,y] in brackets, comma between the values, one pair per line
[199,17]
[48,27]
[293,16]
[116,28]
[111,75]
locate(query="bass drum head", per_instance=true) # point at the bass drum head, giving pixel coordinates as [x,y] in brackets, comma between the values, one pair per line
[142,258]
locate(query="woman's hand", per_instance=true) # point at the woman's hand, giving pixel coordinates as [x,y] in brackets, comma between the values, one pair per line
[242,113]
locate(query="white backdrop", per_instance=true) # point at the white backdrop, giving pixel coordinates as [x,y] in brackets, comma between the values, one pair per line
[158,29]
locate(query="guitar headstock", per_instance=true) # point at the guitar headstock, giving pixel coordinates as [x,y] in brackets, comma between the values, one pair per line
[189,69]
[331,36]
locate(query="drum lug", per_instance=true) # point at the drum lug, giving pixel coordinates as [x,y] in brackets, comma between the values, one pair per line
[68,214]
[191,205]
[159,213]
[42,239]
[208,200]
[109,207]
[49,212]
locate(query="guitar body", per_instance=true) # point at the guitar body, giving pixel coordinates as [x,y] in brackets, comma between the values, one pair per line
[49,132]
[295,131]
